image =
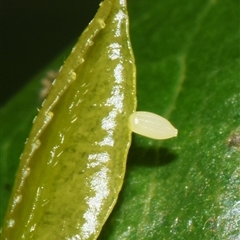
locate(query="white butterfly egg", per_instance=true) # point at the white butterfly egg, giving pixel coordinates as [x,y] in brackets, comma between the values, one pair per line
[151,125]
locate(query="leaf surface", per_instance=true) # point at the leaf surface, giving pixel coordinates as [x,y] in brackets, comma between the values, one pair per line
[187,56]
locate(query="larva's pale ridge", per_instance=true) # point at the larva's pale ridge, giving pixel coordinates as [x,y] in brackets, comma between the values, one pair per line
[66,76]
[67,73]
[151,125]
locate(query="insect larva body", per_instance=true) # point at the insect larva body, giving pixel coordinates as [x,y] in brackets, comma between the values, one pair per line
[77,170]
[151,125]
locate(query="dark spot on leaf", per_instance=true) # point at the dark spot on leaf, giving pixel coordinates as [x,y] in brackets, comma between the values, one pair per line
[150,157]
[166,156]
[234,140]
[7,187]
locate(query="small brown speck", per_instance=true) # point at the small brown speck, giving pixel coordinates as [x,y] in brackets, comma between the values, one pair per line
[47,84]
[234,140]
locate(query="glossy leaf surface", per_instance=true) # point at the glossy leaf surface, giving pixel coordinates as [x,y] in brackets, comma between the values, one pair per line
[187,56]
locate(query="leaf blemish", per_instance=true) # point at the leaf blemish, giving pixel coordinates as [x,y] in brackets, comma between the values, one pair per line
[234,140]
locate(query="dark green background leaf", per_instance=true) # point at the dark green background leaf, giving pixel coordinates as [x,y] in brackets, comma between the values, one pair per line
[188,66]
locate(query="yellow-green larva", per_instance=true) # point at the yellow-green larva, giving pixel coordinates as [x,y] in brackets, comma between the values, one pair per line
[73,165]
[151,125]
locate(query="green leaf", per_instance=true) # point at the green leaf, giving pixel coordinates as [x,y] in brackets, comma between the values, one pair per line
[187,56]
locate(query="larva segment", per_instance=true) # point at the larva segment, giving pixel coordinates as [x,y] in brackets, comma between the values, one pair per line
[151,125]
[76,153]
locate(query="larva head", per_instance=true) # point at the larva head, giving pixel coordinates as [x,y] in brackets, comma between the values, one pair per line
[151,125]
